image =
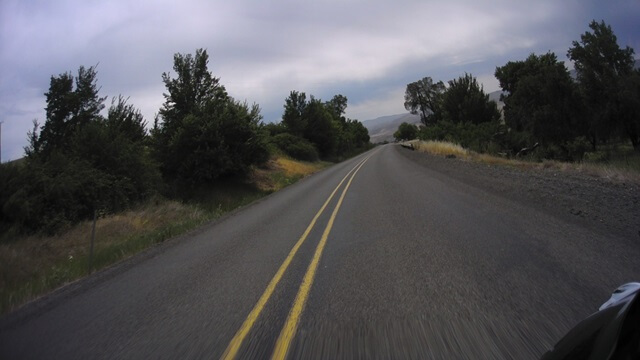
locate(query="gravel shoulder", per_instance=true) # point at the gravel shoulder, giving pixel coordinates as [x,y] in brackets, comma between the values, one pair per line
[609,207]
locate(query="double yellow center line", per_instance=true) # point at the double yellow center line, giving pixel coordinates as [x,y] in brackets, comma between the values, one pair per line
[291,324]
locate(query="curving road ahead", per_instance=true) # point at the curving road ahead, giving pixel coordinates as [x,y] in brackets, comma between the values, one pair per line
[376,257]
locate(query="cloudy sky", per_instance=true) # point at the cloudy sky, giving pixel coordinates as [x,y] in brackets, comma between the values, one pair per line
[367,50]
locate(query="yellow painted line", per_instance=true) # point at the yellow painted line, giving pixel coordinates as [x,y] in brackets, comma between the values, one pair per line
[293,319]
[234,346]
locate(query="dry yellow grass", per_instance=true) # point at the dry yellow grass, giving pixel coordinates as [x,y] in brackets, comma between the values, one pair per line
[604,171]
[282,171]
[297,168]
[35,264]
[441,148]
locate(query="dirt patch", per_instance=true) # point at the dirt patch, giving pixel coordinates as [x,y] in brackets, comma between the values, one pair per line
[607,206]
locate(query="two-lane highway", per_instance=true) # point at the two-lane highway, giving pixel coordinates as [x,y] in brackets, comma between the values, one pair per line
[375,257]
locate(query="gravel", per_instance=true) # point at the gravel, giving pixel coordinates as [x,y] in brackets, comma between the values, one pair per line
[610,207]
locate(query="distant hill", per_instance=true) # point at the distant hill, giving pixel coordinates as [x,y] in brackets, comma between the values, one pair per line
[382,128]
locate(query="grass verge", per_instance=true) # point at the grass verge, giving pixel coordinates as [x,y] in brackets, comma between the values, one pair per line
[626,170]
[34,265]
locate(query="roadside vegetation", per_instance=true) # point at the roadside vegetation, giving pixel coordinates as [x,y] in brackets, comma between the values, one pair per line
[591,120]
[204,155]
[37,263]
[625,167]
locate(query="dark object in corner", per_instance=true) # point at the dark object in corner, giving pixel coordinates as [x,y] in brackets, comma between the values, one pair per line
[613,332]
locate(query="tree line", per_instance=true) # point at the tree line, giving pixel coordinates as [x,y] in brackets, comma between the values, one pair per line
[544,106]
[81,161]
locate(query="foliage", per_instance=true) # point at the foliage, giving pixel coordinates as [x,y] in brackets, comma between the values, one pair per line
[274,129]
[294,117]
[337,106]
[353,137]
[423,97]
[296,147]
[322,124]
[68,110]
[541,103]
[201,132]
[464,101]
[483,137]
[460,113]
[406,131]
[321,129]
[79,162]
[604,71]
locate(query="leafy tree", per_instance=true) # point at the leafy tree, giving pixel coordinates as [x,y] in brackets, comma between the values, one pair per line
[55,193]
[202,133]
[296,147]
[321,129]
[355,137]
[294,113]
[274,129]
[101,165]
[117,147]
[602,68]
[323,124]
[351,136]
[423,97]
[406,131]
[465,101]
[194,89]
[337,106]
[480,137]
[540,101]
[68,109]
[125,119]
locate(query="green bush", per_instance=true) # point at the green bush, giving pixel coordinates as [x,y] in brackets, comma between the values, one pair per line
[481,137]
[296,147]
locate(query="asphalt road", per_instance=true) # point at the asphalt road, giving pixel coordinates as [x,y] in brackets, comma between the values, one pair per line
[403,262]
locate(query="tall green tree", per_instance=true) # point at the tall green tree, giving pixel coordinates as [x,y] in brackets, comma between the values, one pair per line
[69,108]
[80,161]
[465,101]
[406,131]
[354,137]
[321,128]
[313,124]
[540,101]
[294,113]
[423,97]
[602,68]
[337,106]
[202,133]
[123,118]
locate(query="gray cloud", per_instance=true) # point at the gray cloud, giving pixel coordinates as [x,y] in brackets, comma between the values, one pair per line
[366,50]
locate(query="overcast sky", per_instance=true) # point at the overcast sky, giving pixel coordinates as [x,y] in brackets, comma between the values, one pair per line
[367,50]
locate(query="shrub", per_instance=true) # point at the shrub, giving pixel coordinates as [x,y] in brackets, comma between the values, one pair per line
[477,137]
[296,147]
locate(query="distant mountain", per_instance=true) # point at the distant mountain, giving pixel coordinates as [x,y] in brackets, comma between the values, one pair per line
[382,128]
